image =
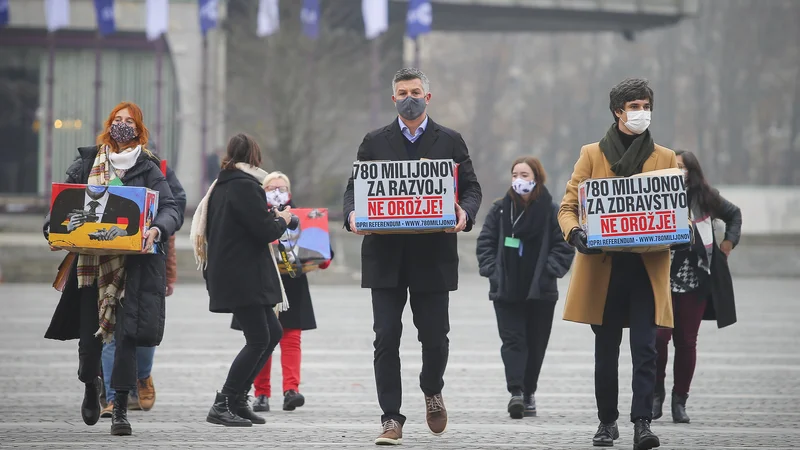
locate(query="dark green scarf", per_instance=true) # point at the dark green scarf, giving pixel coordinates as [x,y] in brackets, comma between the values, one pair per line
[626,162]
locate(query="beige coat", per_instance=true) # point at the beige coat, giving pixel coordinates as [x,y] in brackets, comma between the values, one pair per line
[586,298]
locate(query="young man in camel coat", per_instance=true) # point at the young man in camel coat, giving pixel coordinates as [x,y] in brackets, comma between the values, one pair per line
[612,291]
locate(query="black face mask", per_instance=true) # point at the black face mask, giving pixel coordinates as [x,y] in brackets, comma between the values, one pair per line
[410,108]
[122,132]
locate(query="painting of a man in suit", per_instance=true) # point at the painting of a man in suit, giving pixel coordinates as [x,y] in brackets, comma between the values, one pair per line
[94,204]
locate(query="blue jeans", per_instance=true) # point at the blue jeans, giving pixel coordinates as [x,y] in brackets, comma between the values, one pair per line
[144,364]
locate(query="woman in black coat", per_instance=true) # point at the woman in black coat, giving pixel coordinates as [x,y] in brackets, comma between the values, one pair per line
[298,318]
[241,275]
[522,251]
[137,319]
[697,275]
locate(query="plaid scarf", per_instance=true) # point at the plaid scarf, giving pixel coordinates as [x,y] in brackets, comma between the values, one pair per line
[107,270]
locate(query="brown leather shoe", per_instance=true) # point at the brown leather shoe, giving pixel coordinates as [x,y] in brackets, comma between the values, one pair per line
[107,411]
[392,433]
[147,393]
[436,414]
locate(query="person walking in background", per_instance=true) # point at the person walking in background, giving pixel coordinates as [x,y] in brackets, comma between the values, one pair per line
[698,274]
[90,308]
[620,289]
[144,396]
[422,265]
[298,318]
[522,252]
[231,232]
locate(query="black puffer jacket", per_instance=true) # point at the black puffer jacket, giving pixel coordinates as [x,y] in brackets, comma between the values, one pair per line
[146,275]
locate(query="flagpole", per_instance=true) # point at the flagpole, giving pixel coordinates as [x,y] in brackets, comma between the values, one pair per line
[49,124]
[374,95]
[204,106]
[416,52]
[98,82]
[159,63]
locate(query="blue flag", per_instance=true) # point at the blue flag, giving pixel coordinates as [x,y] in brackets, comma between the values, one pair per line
[419,18]
[105,16]
[208,15]
[4,17]
[309,17]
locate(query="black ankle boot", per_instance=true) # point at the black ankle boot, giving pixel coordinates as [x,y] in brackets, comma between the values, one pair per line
[90,408]
[643,438]
[292,400]
[119,417]
[223,412]
[516,406]
[658,403]
[679,408]
[244,411]
[530,405]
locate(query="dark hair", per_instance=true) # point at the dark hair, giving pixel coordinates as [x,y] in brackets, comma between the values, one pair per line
[539,175]
[242,149]
[696,185]
[627,91]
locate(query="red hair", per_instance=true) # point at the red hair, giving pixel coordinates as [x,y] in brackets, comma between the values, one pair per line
[136,114]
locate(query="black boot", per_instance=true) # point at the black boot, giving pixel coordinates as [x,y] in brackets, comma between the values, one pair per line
[643,438]
[90,408]
[222,412]
[261,404]
[530,405]
[244,411]
[606,434]
[658,402]
[516,406]
[292,400]
[679,408]
[119,418]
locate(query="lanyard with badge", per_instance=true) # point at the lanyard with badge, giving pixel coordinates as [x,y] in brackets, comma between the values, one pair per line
[511,241]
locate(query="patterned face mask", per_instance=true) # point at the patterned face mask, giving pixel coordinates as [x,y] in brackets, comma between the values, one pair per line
[523,187]
[122,132]
[277,198]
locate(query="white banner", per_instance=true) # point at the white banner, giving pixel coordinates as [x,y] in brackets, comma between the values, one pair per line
[376,17]
[57,14]
[268,18]
[157,18]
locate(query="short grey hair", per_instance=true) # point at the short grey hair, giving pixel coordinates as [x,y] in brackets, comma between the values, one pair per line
[411,73]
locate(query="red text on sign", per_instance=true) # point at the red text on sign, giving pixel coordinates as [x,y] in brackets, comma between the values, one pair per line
[427,207]
[638,223]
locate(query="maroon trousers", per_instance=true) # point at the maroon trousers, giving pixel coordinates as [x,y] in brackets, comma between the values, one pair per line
[688,311]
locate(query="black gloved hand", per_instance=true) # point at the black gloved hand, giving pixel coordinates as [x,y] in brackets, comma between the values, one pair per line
[680,247]
[578,240]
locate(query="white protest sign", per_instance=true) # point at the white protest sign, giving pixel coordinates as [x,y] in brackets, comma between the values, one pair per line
[404,195]
[640,211]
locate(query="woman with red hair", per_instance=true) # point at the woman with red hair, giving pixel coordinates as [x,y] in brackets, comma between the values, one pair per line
[118,297]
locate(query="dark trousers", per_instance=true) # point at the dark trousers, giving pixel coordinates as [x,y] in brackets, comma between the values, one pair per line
[90,347]
[432,320]
[688,310]
[629,300]
[262,332]
[525,331]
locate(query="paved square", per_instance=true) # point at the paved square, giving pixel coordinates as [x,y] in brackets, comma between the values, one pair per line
[745,394]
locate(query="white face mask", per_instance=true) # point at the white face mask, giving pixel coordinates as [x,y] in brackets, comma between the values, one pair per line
[685,174]
[523,187]
[638,121]
[277,198]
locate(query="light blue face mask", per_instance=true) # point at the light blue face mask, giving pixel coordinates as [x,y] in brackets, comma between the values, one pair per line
[96,192]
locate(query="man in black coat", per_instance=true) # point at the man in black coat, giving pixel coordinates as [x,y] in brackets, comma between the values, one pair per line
[425,265]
